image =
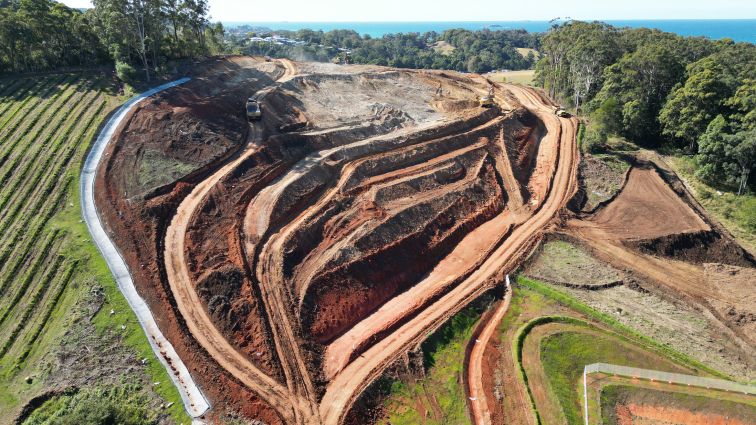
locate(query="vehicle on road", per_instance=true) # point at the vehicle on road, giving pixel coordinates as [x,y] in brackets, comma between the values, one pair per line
[254,111]
[562,113]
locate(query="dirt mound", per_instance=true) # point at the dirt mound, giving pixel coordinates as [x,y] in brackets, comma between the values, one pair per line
[698,247]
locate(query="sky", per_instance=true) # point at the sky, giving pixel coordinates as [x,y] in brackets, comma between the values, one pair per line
[468,10]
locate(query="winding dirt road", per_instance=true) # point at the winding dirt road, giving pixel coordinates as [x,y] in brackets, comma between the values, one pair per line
[477,391]
[198,321]
[297,401]
[352,380]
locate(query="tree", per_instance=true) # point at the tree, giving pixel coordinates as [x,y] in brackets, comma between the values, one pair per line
[725,158]
[691,106]
[744,152]
[43,34]
[640,82]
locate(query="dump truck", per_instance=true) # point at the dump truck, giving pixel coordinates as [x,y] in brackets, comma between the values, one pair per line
[254,111]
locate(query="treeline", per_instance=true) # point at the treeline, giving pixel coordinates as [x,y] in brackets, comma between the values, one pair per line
[457,49]
[135,35]
[657,88]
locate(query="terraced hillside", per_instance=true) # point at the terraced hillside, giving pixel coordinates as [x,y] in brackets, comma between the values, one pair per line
[63,324]
[294,259]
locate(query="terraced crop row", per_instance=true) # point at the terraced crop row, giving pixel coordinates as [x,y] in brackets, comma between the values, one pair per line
[46,124]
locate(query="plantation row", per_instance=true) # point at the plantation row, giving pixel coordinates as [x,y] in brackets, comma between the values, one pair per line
[46,124]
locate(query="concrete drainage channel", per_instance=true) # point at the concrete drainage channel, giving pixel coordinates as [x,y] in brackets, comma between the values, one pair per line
[195,402]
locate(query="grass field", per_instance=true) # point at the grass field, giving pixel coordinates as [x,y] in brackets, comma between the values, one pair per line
[524,77]
[564,355]
[553,336]
[55,290]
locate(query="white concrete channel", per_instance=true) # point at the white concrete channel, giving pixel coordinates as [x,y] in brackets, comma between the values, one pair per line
[194,401]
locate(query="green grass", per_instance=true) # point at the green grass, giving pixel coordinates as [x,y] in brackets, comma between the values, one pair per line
[564,356]
[736,213]
[639,339]
[122,405]
[443,355]
[524,77]
[45,282]
[155,169]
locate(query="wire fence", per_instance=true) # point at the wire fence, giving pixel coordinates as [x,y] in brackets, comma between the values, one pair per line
[659,376]
[672,378]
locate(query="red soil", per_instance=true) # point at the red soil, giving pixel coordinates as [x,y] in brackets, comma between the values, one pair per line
[351,225]
[634,414]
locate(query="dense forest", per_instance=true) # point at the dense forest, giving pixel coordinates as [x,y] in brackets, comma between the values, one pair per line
[657,88]
[134,35]
[457,49]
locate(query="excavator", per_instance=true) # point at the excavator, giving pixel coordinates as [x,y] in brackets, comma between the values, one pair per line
[487,101]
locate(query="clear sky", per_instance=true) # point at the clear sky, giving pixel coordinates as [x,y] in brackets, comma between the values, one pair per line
[469,10]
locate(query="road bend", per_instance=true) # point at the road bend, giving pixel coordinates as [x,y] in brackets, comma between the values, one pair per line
[346,386]
[479,403]
[286,402]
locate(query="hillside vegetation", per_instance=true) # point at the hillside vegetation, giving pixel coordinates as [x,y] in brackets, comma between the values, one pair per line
[63,322]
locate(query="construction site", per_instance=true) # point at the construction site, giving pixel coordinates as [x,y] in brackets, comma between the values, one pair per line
[298,254]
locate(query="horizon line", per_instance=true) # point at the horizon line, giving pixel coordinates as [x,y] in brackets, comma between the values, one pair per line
[482,21]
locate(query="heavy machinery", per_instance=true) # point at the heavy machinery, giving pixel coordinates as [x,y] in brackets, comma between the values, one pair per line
[254,111]
[561,113]
[487,101]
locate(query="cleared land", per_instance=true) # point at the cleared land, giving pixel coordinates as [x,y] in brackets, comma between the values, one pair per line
[55,292]
[286,299]
[298,261]
[524,77]
[658,402]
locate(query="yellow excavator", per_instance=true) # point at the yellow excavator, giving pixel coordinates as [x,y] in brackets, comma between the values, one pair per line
[487,101]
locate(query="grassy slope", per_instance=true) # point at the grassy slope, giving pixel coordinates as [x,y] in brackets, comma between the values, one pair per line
[438,398]
[561,261]
[564,355]
[614,394]
[74,248]
[736,213]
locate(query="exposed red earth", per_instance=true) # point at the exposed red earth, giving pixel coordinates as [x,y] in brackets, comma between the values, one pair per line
[290,261]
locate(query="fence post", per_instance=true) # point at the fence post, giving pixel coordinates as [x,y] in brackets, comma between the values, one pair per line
[585,393]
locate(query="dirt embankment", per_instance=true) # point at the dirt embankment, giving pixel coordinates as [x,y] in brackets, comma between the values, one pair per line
[164,146]
[366,207]
[655,230]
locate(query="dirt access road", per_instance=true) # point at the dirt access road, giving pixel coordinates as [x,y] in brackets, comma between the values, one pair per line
[352,380]
[296,402]
[476,390]
[189,304]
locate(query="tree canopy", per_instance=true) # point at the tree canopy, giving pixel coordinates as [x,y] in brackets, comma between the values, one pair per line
[654,87]
[38,35]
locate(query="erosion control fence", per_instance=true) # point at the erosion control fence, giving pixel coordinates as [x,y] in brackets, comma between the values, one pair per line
[659,376]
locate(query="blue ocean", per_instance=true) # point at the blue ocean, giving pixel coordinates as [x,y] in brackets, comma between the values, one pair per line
[736,29]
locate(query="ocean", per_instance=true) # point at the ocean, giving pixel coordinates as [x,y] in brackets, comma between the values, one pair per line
[736,29]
